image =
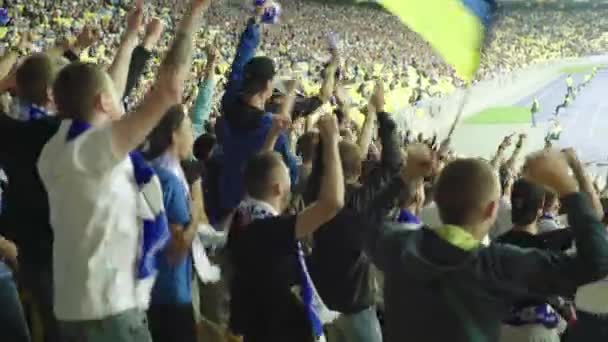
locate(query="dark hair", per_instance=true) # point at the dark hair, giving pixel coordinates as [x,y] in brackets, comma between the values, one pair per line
[527,200]
[307,145]
[161,136]
[258,71]
[550,198]
[35,77]
[203,146]
[259,173]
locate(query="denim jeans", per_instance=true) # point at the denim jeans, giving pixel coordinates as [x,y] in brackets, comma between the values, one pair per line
[128,326]
[13,327]
[359,327]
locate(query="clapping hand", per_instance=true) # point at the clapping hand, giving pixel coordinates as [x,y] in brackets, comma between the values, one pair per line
[550,168]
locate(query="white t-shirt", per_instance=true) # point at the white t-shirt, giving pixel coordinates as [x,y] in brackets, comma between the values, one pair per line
[94,215]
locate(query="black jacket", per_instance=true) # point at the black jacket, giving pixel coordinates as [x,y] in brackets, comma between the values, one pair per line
[340,268]
[435,291]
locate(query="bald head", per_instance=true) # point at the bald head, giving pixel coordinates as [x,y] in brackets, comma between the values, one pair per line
[465,191]
[262,172]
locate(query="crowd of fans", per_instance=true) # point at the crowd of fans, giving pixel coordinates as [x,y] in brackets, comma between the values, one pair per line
[228,206]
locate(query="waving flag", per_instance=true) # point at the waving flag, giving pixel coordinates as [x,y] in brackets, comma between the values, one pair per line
[455,28]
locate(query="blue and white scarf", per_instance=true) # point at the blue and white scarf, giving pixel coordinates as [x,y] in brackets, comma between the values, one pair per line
[29,111]
[155,225]
[542,314]
[318,314]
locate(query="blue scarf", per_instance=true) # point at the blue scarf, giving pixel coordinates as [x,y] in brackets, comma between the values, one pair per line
[30,112]
[540,314]
[155,230]
[405,216]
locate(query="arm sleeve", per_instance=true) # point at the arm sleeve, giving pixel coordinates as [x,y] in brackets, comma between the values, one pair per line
[139,59]
[202,107]
[282,146]
[10,134]
[176,202]
[547,273]
[249,42]
[367,196]
[93,151]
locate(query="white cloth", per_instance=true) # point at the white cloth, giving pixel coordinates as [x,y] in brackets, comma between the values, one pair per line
[548,225]
[593,298]
[95,214]
[503,222]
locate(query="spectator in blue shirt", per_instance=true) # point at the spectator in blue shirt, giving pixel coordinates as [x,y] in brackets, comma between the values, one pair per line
[245,123]
[171,312]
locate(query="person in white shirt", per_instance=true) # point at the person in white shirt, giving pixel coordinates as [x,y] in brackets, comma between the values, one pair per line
[105,204]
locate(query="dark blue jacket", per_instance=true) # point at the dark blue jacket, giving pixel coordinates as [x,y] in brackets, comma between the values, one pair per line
[242,129]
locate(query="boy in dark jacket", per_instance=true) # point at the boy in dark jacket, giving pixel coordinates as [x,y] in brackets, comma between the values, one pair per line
[340,268]
[443,285]
[243,128]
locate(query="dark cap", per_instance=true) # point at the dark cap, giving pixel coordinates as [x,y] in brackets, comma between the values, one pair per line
[259,69]
[527,199]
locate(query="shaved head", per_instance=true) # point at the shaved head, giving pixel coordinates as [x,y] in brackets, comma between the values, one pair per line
[464,190]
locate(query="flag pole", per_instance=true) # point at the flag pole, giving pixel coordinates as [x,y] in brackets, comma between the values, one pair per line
[463,102]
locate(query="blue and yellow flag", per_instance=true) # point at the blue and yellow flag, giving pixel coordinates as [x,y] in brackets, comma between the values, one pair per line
[455,28]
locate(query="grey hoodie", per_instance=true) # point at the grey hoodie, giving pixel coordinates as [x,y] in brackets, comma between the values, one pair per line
[436,291]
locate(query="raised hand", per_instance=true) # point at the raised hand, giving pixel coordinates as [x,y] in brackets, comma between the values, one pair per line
[199,6]
[377,100]
[550,168]
[154,31]
[87,37]
[328,127]
[135,18]
[571,157]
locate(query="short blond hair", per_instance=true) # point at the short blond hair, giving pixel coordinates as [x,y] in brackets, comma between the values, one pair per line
[76,88]
[464,186]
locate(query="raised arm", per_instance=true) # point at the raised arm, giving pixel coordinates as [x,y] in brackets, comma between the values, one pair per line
[498,157]
[329,79]
[331,193]
[516,153]
[248,44]
[8,60]
[376,105]
[547,273]
[131,131]
[383,242]
[584,181]
[119,70]
[202,104]
[142,54]
[280,124]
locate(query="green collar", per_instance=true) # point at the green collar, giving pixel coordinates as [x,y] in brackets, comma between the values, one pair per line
[457,237]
